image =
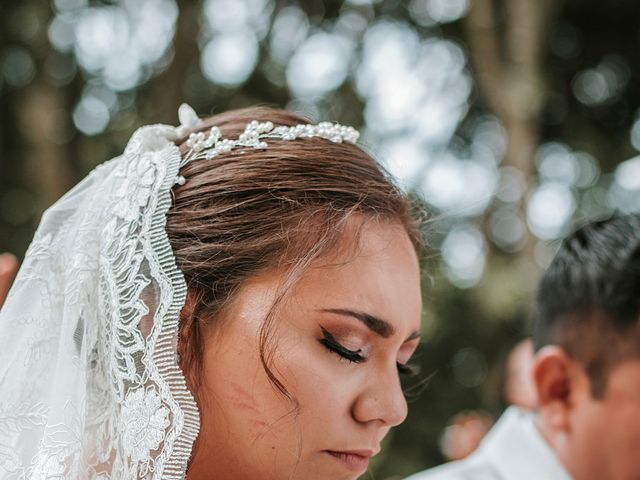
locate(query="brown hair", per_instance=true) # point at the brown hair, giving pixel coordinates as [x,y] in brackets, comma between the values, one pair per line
[249,211]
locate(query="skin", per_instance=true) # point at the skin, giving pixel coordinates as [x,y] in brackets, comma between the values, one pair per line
[594,438]
[519,388]
[8,269]
[249,430]
[464,433]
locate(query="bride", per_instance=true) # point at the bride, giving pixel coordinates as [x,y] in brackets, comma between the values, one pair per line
[235,298]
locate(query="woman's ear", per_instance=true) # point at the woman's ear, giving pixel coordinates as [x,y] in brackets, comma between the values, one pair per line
[553,372]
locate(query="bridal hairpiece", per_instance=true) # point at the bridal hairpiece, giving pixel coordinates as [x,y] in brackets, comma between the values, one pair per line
[206,145]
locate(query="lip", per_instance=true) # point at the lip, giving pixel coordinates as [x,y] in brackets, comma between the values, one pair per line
[355,460]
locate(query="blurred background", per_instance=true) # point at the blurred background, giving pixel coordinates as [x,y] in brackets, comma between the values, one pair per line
[513,120]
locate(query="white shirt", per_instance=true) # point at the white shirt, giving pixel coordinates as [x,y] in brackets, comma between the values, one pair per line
[512,450]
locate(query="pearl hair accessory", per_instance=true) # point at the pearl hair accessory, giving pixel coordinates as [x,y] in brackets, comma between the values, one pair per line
[206,145]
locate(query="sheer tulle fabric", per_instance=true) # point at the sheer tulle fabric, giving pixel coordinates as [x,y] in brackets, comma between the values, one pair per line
[90,387]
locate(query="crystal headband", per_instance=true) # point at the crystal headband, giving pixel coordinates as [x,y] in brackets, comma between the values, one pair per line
[206,145]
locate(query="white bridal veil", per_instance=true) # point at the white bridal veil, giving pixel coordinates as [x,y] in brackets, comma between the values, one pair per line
[90,387]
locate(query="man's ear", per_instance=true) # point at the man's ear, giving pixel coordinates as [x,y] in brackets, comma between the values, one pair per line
[553,372]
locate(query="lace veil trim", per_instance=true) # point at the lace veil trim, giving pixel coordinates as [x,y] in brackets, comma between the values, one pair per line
[90,386]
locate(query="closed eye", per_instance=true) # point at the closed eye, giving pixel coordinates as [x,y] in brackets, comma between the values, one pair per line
[329,341]
[355,356]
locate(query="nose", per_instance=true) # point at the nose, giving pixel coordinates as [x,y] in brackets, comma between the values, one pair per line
[382,400]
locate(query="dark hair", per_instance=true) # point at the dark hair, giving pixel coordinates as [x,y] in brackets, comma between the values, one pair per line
[589,298]
[250,211]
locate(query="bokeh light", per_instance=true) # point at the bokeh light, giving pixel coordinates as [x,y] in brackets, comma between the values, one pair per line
[91,115]
[462,187]
[290,29]
[232,15]
[429,12]
[507,229]
[405,159]
[319,65]
[624,193]
[229,58]
[550,210]
[513,184]
[634,132]
[556,162]
[231,37]
[17,66]
[119,44]
[600,84]
[464,254]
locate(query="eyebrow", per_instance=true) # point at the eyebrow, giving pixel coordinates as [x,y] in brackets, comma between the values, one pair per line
[375,324]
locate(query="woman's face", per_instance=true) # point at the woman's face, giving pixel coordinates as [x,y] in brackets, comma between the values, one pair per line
[341,339]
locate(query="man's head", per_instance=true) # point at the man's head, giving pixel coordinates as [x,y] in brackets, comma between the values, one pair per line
[587,338]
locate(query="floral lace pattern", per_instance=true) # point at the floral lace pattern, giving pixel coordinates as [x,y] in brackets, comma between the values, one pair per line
[89,382]
[144,420]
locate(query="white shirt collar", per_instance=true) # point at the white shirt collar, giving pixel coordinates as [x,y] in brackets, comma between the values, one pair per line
[516,449]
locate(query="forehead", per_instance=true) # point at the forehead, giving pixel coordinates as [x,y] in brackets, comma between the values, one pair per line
[376,272]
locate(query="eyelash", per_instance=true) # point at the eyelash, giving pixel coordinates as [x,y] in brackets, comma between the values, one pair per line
[355,356]
[332,345]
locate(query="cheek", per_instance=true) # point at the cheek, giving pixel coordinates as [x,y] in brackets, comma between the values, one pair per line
[607,436]
[623,432]
[322,384]
[237,396]
[586,434]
